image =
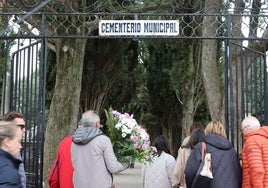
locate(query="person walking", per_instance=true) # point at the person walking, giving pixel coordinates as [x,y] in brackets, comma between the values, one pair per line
[61,172]
[18,118]
[226,169]
[178,179]
[191,129]
[158,173]
[254,154]
[92,155]
[10,146]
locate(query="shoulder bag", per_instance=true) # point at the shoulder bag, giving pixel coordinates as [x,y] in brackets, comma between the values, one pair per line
[204,176]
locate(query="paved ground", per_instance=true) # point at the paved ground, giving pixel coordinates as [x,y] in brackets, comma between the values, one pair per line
[130,178]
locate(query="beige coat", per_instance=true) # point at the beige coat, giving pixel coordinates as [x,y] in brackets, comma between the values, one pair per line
[178,173]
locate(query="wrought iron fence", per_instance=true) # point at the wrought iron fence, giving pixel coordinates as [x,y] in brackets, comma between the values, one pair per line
[246,88]
[54,19]
[234,22]
[24,91]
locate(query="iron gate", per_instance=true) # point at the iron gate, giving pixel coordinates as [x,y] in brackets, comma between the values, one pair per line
[24,91]
[24,86]
[246,88]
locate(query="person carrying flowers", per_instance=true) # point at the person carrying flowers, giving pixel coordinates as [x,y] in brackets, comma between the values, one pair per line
[92,155]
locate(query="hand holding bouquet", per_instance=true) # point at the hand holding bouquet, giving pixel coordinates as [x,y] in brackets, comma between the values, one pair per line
[129,139]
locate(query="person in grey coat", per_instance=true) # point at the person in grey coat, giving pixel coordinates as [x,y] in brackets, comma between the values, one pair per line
[92,155]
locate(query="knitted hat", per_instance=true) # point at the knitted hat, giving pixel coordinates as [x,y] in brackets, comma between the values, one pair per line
[249,124]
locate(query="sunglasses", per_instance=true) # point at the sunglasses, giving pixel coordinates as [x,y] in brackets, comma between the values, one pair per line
[22,126]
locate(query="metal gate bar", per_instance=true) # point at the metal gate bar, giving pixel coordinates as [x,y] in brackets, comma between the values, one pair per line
[245,88]
[27,86]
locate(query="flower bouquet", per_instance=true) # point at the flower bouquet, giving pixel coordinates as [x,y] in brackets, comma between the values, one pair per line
[130,141]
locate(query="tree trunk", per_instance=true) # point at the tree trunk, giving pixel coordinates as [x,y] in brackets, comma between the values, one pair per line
[213,85]
[102,69]
[192,95]
[211,77]
[187,114]
[64,106]
[187,92]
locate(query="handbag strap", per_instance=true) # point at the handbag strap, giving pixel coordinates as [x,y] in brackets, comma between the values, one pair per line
[203,150]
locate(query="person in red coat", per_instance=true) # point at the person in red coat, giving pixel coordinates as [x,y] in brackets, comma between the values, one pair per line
[254,154]
[61,172]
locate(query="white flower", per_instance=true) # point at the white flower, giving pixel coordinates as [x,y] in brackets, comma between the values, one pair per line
[124,135]
[126,130]
[132,123]
[118,126]
[143,134]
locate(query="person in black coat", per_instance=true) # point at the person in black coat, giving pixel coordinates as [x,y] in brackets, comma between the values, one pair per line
[226,169]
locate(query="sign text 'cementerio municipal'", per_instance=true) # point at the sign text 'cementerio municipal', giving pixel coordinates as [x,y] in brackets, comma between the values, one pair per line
[138,27]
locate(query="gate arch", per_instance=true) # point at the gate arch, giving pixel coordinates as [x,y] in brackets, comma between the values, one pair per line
[46,20]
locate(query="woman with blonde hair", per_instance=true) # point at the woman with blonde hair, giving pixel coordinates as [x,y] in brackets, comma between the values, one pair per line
[226,169]
[10,146]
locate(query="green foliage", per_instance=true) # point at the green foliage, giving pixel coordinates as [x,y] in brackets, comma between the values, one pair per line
[158,66]
[103,64]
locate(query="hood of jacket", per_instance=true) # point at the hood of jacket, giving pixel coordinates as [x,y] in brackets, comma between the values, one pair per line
[84,135]
[218,141]
[263,131]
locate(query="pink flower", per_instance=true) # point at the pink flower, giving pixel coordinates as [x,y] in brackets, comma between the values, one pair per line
[127,115]
[134,138]
[116,113]
[136,146]
[139,128]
